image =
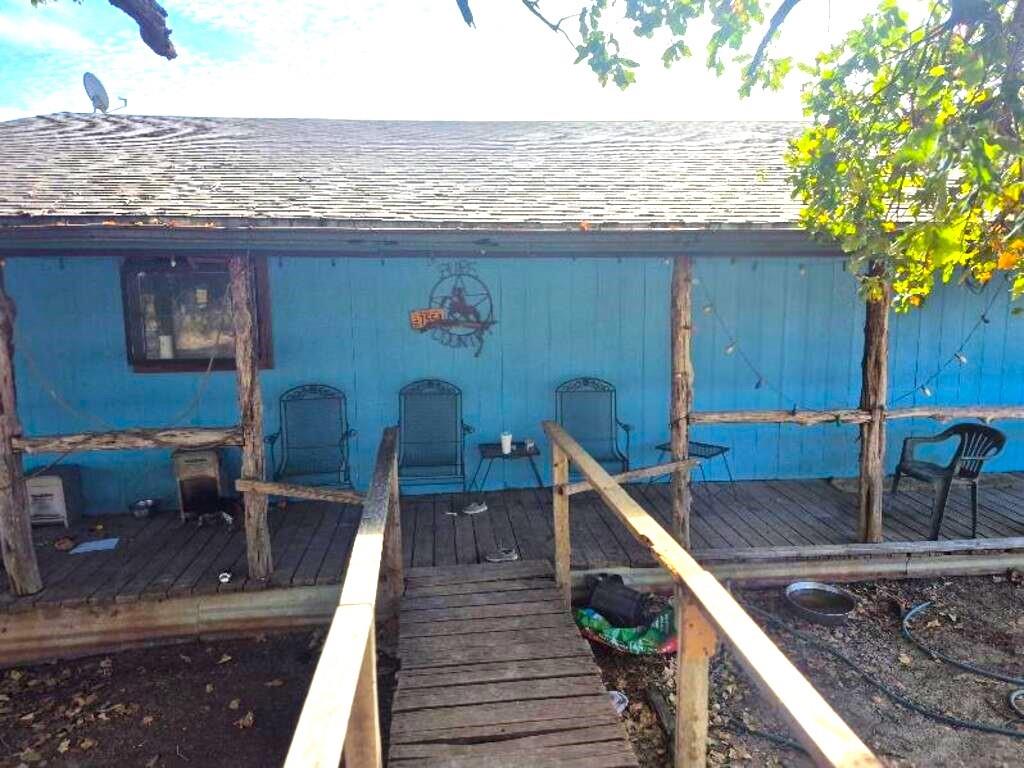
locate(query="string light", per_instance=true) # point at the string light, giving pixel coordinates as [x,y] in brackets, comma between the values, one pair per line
[803,271]
[926,387]
[732,347]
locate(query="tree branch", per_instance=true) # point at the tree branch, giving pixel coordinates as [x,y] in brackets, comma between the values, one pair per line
[773,27]
[555,26]
[152,21]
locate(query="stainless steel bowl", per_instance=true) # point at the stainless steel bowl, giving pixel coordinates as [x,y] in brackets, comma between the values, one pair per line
[143,508]
[820,603]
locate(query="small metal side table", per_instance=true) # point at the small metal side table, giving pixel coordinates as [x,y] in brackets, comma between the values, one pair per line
[491,451]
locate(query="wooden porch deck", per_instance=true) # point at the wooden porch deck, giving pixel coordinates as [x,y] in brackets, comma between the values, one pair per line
[162,579]
[729,522]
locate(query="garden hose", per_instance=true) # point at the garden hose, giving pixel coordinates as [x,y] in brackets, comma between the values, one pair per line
[1016,697]
[896,696]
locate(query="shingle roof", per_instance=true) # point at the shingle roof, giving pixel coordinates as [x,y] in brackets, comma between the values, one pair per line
[635,175]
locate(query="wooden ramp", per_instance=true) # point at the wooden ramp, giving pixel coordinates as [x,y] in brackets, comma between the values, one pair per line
[495,673]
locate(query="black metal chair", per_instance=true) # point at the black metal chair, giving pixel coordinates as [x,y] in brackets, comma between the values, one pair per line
[978,443]
[702,452]
[313,436]
[432,435]
[586,408]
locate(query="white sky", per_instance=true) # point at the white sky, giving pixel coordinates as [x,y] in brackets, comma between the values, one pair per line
[411,59]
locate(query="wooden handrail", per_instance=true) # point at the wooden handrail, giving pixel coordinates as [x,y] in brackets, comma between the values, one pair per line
[708,607]
[340,714]
[291,491]
[131,439]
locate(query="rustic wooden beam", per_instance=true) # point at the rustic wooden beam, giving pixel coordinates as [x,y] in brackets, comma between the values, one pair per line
[682,392]
[874,392]
[392,569]
[570,489]
[362,741]
[696,645]
[950,413]
[188,438]
[331,703]
[828,739]
[560,520]
[801,418]
[250,403]
[292,491]
[19,556]
[362,575]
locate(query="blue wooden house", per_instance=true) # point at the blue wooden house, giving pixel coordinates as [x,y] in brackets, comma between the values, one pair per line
[562,235]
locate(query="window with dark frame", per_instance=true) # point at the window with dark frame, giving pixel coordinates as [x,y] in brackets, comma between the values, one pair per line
[177,314]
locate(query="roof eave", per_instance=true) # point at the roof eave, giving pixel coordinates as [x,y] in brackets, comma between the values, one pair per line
[43,236]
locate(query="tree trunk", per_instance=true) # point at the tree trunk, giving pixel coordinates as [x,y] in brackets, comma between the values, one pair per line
[250,403]
[873,396]
[19,555]
[682,393]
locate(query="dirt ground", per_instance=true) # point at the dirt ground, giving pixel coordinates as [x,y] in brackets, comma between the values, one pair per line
[975,619]
[209,704]
[235,702]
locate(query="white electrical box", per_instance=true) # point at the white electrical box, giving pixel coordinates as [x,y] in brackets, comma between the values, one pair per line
[55,497]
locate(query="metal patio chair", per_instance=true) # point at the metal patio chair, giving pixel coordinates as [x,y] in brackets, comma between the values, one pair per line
[586,408]
[432,434]
[312,437]
[978,443]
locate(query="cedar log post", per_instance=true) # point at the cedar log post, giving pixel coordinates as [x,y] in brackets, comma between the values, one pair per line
[250,403]
[874,393]
[682,393]
[19,555]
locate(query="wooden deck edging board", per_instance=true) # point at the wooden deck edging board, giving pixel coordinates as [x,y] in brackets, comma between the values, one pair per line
[495,672]
[50,632]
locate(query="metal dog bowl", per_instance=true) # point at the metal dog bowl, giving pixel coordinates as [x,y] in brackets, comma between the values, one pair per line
[143,508]
[820,603]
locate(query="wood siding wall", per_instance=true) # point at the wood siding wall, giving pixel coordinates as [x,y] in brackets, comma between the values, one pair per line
[345,323]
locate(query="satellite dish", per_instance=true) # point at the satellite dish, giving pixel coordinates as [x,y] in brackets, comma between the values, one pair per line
[97,93]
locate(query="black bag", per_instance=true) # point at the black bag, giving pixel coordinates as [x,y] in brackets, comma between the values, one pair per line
[621,605]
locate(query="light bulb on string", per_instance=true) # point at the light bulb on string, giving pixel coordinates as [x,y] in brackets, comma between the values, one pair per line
[708,309]
[730,348]
[803,270]
[926,390]
[961,358]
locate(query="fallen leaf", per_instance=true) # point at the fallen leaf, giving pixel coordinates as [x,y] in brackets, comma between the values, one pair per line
[86,744]
[64,746]
[64,543]
[209,687]
[147,720]
[31,756]
[151,763]
[15,675]
[905,659]
[246,721]
[234,703]
[224,659]
[275,683]
[186,659]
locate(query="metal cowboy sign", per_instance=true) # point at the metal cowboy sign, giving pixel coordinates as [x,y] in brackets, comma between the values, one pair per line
[461,310]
